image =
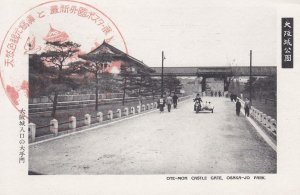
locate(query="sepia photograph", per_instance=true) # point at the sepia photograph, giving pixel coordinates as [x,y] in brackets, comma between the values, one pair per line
[149,97]
[205,103]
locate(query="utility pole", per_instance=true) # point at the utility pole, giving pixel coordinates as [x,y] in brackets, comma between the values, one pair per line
[162,73]
[250,95]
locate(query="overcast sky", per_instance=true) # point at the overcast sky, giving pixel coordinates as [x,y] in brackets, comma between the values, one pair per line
[191,33]
[195,33]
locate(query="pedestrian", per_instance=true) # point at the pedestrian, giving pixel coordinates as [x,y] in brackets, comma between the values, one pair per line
[161,104]
[231,97]
[247,107]
[219,93]
[169,102]
[238,107]
[175,100]
[211,93]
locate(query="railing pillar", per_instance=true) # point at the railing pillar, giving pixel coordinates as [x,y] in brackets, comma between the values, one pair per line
[132,110]
[87,119]
[110,115]
[100,117]
[72,122]
[119,112]
[54,126]
[151,106]
[138,109]
[264,116]
[273,125]
[32,131]
[143,107]
[126,111]
[268,122]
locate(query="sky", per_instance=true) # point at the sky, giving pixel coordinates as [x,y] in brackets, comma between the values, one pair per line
[191,33]
[197,33]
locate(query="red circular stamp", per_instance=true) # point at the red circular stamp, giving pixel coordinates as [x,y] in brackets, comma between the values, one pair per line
[51,21]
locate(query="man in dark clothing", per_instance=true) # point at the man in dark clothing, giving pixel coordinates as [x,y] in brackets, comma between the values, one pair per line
[169,102]
[197,98]
[247,107]
[238,107]
[161,104]
[175,100]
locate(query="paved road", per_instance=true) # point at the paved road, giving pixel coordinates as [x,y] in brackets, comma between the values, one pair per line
[176,142]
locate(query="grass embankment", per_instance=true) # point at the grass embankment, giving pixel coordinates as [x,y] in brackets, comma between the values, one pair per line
[269,107]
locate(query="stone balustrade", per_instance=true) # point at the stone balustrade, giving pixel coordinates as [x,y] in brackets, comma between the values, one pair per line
[72,122]
[263,119]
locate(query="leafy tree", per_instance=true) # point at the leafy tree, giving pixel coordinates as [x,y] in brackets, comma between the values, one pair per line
[262,87]
[234,87]
[130,81]
[247,87]
[58,56]
[96,64]
[154,87]
[172,84]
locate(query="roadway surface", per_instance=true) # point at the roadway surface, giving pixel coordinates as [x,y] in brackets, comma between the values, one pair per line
[169,143]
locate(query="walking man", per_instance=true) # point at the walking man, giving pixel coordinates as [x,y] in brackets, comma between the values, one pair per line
[169,101]
[161,104]
[175,99]
[238,107]
[247,107]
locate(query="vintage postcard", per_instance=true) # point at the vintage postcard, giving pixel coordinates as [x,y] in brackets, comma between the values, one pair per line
[149,97]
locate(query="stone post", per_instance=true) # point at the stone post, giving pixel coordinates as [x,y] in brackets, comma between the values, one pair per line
[72,122]
[32,130]
[126,111]
[138,109]
[260,116]
[143,107]
[268,122]
[87,119]
[100,117]
[119,112]
[273,125]
[264,119]
[132,110]
[110,115]
[54,126]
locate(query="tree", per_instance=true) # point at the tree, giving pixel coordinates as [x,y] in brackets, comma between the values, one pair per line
[96,64]
[130,80]
[58,56]
[263,87]
[247,87]
[234,87]
[154,86]
[172,84]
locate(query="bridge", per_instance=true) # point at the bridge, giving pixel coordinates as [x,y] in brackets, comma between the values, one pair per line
[216,71]
[150,142]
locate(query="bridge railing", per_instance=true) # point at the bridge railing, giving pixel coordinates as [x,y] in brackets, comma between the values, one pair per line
[99,118]
[262,119]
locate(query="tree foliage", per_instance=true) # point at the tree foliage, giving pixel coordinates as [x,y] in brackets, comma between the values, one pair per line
[56,58]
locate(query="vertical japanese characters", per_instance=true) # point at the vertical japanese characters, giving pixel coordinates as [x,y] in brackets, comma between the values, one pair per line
[287,42]
[22,136]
